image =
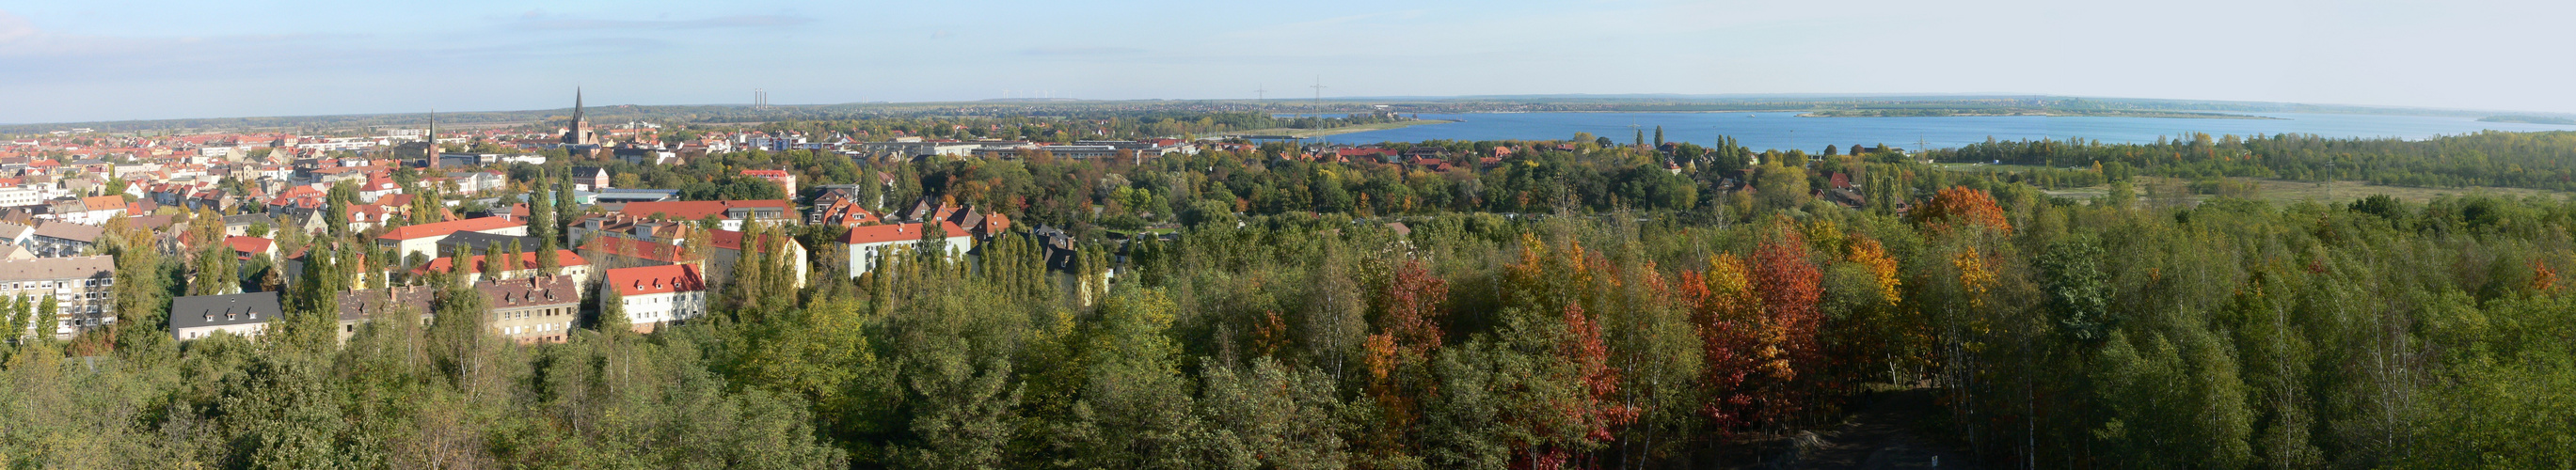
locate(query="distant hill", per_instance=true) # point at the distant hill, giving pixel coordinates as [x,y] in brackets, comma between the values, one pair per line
[2530,119]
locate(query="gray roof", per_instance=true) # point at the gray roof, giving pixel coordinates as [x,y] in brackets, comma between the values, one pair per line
[69,231]
[485,241]
[76,267]
[541,291]
[358,305]
[247,219]
[223,310]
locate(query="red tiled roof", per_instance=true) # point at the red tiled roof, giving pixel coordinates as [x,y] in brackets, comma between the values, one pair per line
[440,229]
[103,203]
[656,279]
[629,247]
[732,240]
[896,232]
[249,244]
[765,173]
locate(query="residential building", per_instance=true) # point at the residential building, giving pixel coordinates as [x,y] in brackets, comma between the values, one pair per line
[590,179]
[782,177]
[567,264]
[82,287]
[16,235]
[866,244]
[424,238]
[654,296]
[95,210]
[21,197]
[539,309]
[732,213]
[726,247]
[362,306]
[56,238]
[248,247]
[197,317]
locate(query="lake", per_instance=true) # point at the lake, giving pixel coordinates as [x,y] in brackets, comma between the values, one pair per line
[1784,130]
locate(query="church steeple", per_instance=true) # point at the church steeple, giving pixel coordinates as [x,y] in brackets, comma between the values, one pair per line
[432,137]
[579,132]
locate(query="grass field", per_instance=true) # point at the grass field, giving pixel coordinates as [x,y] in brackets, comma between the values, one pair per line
[1307,133]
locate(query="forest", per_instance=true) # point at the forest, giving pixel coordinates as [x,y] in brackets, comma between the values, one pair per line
[1574,305]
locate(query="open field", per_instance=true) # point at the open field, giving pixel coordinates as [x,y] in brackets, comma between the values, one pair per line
[1985,167]
[1309,133]
[2285,191]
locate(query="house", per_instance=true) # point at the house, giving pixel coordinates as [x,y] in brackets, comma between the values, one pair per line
[83,289]
[56,238]
[481,242]
[597,226]
[623,252]
[197,317]
[16,235]
[589,179]
[653,296]
[247,247]
[241,225]
[95,210]
[866,244]
[361,306]
[424,238]
[726,247]
[840,211]
[541,309]
[476,182]
[782,177]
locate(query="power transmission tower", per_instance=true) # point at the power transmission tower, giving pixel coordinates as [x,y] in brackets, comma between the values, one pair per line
[1319,103]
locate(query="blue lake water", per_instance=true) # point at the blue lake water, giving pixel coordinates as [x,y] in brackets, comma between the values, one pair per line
[1784,130]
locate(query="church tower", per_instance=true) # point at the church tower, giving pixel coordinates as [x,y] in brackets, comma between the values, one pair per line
[579,132]
[432,137]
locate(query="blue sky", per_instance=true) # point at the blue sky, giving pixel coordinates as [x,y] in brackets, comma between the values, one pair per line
[121,59]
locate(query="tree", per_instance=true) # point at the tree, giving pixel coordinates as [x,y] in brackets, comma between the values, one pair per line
[491,262]
[1961,206]
[541,208]
[2078,288]
[612,311]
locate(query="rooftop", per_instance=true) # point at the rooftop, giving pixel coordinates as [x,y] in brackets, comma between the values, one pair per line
[76,267]
[650,280]
[219,310]
[449,227]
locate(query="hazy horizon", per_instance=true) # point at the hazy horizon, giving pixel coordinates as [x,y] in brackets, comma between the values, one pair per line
[140,60]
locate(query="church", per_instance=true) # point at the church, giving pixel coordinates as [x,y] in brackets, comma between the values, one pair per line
[579,132]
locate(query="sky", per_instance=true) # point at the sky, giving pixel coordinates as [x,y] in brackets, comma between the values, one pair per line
[90,60]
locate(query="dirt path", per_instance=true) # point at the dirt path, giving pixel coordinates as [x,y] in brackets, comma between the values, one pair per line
[1886,433]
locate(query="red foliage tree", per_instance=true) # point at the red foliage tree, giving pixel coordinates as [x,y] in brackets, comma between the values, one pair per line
[1408,333]
[1788,283]
[1961,206]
